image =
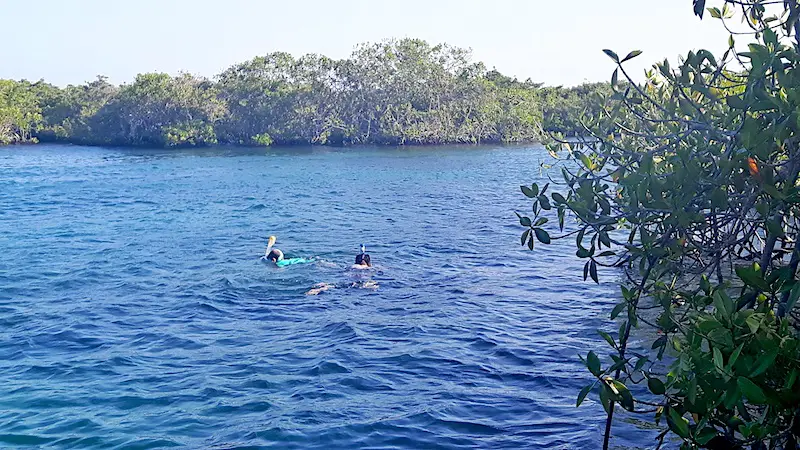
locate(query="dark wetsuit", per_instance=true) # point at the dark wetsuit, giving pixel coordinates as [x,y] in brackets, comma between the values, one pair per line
[363,260]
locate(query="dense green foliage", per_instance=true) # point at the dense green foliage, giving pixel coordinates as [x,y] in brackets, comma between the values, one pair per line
[395,92]
[19,112]
[690,183]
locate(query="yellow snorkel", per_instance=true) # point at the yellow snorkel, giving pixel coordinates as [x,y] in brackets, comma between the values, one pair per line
[270,244]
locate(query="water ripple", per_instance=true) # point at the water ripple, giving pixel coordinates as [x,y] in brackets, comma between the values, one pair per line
[136,314]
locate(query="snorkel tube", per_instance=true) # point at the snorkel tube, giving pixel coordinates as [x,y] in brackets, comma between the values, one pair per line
[270,244]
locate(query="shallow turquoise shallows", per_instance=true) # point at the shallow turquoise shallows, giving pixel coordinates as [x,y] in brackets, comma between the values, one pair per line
[135,311]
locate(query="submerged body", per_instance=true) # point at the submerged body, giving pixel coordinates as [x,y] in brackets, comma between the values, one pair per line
[363,262]
[322,287]
[291,261]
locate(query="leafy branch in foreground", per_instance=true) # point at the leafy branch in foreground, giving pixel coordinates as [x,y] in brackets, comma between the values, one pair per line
[689,184]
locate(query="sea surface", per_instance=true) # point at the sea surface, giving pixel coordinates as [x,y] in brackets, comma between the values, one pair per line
[135,312]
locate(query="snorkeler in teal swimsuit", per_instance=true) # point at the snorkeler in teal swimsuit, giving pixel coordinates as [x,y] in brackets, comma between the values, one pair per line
[276,256]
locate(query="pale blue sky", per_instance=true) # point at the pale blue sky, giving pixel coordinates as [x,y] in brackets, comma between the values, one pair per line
[556,42]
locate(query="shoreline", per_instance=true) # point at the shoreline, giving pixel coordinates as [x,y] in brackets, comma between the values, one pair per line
[274,146]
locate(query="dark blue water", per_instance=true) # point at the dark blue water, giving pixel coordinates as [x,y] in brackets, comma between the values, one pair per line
[135,313]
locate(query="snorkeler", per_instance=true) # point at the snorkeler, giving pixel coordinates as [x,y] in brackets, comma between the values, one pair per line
[273,254]
[363,260]
[276,256]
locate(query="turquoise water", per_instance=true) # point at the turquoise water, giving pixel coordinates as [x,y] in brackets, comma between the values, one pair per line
[135,312]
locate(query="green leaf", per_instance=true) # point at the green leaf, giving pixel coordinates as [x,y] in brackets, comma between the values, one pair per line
[605,397]
[582,396]
[764,362]
[718,362]
[660,342]
[558,198]
[525,221]
[719,198]
[792,20]
[604,239]
[612,55]
[585,160]
[706,326]
[705,285]
[593,363]
[721,337]
[626,398]
[528,192]
[542,235]
[774,227]
[715,13]
[732,396]
[705,435]
[751,391]
[753,322]
[727,12]
[773,191]
[678,424]
[736,102]
[791,379]
[753,278]
[608,338]
[545,202]
[632,55]
[617,310]
[770,37]
[721,305]
[793,296]
[656,386]
[735,356]
[699,7]
[593,272]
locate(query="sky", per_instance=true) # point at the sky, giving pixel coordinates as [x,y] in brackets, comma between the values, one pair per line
[558,42]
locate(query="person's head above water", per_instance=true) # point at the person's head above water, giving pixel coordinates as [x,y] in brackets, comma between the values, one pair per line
[363,258]
[273,254]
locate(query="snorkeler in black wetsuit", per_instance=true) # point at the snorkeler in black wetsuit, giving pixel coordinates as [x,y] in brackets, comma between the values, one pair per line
[363,260]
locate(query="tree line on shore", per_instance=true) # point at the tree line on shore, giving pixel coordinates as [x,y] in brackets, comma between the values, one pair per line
[390,93]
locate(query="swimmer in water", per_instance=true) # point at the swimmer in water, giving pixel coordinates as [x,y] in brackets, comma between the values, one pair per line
[273,254]
[363,260]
